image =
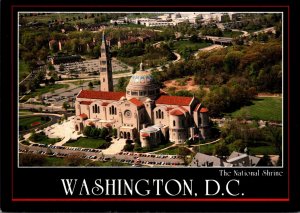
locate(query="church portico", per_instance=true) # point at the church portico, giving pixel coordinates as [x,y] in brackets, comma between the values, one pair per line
[127,132]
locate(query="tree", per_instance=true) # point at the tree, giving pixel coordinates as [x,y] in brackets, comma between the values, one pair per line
[87,131]
[52,80]
[221,149]
[74,160]
[128,147]
[274,134]
[61,67]
[265,161]
[66,105]
[104,133]
[22,89]
[114,132]
[122,83]
[90,85]
[183,151]
[32,160]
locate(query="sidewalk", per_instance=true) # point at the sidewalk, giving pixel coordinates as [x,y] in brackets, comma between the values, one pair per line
[115,147]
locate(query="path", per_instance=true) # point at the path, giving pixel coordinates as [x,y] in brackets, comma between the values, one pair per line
[203,144]
[269,95]
[115,147]
[162,149]
[245,33]
[66,131]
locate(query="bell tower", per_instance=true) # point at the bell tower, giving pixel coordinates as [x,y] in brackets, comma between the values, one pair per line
[106,82]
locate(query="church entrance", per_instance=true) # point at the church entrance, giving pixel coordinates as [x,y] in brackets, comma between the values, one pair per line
[76,127]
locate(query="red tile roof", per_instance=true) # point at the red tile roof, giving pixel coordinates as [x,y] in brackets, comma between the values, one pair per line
[86,102]
[174,100]
[83,115]
[104,104]
[145,135]
[184,109]
[91,123]
[197,108]
[91,94]
[169,108]
[176,112]
[136,102]
[203,109]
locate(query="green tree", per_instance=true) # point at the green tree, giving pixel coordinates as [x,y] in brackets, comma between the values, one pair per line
[87,131]
[104,133]
[66,105]
[90,85]
[221,149]
[114,132]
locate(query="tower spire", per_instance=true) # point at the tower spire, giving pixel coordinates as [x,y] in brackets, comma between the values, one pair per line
[103,36]
[141,66]
[106,82]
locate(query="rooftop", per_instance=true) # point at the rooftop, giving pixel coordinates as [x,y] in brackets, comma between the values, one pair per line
[203,109]
[86,102]
[136,102]
[174,100]
[91,94]
[176,112]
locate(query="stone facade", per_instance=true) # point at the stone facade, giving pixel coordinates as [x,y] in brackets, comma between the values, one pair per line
[142,112]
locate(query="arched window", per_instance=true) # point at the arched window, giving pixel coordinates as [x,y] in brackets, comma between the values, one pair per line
[156,114]
[162,115]
[96,109]
[159,113]
[115,110]
[174,123]
[110,110]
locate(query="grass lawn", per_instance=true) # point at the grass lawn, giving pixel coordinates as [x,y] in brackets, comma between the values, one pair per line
[23,70]
[25,112]
[171,151]
[263,150]
[180,45]
[268,108]
[86,143]
[43,139]
[46,89]
[207,149]
[232,34]
[25,123]
[160,146]
[25,143]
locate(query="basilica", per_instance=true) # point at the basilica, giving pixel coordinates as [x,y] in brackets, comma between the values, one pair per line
[143,111]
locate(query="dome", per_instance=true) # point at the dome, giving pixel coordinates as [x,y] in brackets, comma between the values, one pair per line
[150,129]
[142,86]
[142,77]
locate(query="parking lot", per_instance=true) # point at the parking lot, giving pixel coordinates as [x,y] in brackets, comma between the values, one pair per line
[143,159]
